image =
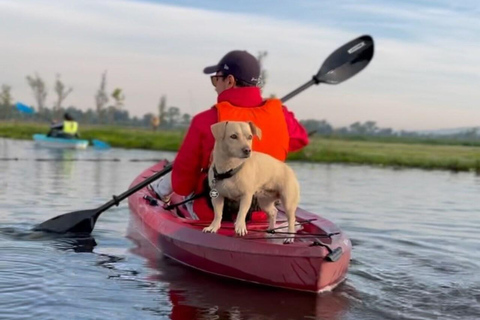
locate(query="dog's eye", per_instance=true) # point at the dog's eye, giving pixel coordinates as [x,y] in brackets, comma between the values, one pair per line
[233,136]
[250,137]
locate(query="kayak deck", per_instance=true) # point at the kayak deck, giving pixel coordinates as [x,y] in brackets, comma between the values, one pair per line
[62,143]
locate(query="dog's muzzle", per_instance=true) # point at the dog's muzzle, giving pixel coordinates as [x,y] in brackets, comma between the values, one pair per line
[246,152]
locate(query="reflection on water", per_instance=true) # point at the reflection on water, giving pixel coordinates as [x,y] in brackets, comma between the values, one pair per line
[414,233]
[195,295]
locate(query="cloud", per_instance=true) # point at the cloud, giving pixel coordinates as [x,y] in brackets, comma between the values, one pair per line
[418,74]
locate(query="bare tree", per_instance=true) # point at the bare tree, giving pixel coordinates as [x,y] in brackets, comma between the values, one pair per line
[263,73]
[101,98]
[162,106]
[39,90]
[119,98]
[62,93]
[6,98]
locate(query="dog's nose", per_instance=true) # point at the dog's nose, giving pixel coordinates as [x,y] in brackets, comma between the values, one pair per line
[246,151]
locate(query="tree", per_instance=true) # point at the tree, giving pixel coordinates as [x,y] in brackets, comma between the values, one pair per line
[119,98]
[161,109]
[315,126]
[370,127]
[39,90]
[6,102]
[113,112]
[357,128]
[6,98]
[101,98]
[263,73]
[385,132]
[62,94]
[172,115]
[186,119]
[147,119]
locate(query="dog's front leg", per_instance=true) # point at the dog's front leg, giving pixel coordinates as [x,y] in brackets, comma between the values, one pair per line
[218,210]
[240,223]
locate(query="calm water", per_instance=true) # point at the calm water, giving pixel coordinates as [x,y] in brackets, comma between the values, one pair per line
[415,233]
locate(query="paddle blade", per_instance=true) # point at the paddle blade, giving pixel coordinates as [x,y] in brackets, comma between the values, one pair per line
[24,108]
[97,144]
[346,61]
[77,222]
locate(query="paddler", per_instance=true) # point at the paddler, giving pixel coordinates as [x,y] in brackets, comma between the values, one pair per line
[67,129]
[236,78]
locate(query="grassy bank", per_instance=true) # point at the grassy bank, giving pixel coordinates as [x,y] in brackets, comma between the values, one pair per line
[121,137]
[455,158]
[395,153]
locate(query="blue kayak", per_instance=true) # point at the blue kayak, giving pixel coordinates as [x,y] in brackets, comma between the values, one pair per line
[62,143]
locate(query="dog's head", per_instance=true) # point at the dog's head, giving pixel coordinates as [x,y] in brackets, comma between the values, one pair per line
[235,137]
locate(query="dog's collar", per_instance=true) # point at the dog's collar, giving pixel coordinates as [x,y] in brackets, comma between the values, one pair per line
[225,175]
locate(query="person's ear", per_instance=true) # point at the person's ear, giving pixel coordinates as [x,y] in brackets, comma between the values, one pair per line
[230,81]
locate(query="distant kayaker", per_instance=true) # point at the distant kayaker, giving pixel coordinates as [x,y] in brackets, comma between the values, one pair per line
[67,129]
[235,79]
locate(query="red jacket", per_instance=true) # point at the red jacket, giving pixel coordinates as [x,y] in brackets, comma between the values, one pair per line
[194,153]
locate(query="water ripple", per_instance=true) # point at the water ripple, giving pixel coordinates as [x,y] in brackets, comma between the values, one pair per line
[414,234]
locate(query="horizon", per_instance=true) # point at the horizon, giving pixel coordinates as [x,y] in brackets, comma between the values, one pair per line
[416,80]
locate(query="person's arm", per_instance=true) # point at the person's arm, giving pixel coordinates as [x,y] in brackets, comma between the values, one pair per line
[57,126]
[187,165]
[298,133]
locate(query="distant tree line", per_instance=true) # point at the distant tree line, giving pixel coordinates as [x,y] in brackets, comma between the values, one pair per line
[370,129]
[110,109]
[112,113]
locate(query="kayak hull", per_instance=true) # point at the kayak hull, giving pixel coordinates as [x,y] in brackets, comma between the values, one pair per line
[259,257]
[59,143]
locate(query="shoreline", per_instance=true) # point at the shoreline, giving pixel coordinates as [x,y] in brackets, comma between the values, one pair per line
[395,153]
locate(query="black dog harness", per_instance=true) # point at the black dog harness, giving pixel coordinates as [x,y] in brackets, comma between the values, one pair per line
[222,176]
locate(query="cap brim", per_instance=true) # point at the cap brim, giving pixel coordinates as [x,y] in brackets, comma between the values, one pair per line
[211,69]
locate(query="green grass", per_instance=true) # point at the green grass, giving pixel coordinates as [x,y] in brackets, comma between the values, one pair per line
[135,138]
[450,157]
[390,152]
[121,137]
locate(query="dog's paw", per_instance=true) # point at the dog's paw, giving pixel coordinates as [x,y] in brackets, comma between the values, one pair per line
[213,228]
[289,239]
[241,229]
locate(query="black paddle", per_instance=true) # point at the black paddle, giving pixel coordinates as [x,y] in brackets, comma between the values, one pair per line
[83,221]
[341,65]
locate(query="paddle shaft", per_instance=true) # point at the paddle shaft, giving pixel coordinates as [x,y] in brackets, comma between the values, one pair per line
[116,199]
[300,89]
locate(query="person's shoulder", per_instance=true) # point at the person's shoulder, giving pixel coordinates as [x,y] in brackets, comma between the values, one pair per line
[206,116]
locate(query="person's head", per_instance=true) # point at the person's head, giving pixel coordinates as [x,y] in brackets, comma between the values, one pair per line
[68,117]
[236,69]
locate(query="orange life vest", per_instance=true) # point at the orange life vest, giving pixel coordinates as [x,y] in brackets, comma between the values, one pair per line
[269,117]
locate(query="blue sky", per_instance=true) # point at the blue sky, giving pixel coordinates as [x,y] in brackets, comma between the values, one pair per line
[424,74]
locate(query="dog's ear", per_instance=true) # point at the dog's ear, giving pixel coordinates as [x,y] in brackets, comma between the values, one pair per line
[218,130]
[256,131]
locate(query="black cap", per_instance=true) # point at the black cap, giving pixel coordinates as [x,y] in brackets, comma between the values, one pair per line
[240,64]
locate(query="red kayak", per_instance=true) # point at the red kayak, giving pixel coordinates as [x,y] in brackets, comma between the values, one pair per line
[316,261]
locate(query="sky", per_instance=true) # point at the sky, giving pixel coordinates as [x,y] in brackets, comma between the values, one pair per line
[424,75]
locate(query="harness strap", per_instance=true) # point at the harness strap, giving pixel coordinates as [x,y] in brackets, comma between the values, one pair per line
[225,175]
